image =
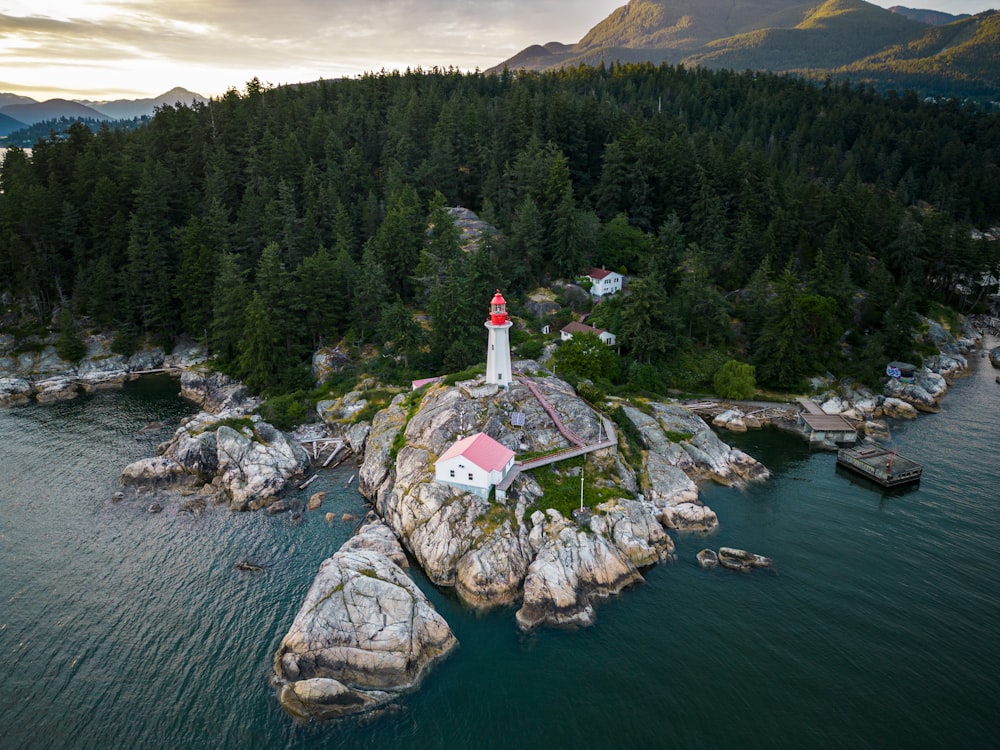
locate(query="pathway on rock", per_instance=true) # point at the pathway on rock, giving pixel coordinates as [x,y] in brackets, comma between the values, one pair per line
[580,448]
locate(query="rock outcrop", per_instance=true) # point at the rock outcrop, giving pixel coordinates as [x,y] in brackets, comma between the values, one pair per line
[247,467]
[215,392]
[741,560]
[364,634]
[571,569]
[680,449]
[496,553]
[255,468]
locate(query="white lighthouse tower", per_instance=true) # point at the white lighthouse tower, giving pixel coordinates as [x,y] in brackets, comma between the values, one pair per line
[498,369]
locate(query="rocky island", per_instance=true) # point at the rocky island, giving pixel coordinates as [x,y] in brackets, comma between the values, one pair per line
[552,565]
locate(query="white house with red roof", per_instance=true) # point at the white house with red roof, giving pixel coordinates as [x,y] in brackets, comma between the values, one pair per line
[475,464]
[603,281]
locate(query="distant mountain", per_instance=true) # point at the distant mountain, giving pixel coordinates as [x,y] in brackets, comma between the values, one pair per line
[29,112]
[53,109]
[817,39]
[9,125]
[929,17]
[8,99]
[126,109]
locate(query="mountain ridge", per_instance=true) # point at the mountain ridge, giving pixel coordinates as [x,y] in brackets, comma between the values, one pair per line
[817,39]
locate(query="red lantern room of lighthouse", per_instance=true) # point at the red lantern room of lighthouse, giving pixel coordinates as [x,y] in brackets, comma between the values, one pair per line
[498,367]
[498,309]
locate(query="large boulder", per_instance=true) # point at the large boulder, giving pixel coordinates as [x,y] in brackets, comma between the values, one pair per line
[146,359]
[326,361]
[197,452]
[159,472]
[255,470]
[995,356]
[215,392]
[60,388]
[895,408]
[924,393]
[741,560]
[103,371]
[364,634]
[14,390]
[689,517]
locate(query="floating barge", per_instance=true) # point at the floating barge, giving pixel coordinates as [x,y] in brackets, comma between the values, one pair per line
[880,465]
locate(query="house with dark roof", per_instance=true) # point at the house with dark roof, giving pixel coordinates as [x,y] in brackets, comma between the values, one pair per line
[603,334]
[475,464]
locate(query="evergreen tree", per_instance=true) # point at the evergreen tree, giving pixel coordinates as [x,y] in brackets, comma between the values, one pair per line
[260,359]
[228,311]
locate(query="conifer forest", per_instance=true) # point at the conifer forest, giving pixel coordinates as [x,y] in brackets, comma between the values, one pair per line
[796,227]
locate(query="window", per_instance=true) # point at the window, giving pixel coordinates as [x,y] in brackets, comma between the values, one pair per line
[451,473]
[470,476]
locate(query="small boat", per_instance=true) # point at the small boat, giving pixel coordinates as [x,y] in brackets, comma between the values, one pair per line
[881,465]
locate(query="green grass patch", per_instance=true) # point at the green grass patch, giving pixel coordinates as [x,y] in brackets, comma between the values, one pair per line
[236,423]
[678,437]
[377,399]
[411,404]
[469,373]
[633,437]
[493,518]
[562,490]
[947,317]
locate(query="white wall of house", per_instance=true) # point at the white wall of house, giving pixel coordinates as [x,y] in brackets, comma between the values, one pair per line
[608,285]
[462,472]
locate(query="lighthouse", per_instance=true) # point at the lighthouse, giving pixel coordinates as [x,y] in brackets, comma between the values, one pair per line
[498,369]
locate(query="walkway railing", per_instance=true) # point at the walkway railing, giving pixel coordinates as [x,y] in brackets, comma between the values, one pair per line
[579,449]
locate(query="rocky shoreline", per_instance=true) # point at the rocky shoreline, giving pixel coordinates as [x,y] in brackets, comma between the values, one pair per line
[41,375]
[365,633]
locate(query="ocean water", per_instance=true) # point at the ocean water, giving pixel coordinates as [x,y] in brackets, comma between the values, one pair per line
[880,626]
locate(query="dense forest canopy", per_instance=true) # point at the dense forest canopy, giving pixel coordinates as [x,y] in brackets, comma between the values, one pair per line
[801,228]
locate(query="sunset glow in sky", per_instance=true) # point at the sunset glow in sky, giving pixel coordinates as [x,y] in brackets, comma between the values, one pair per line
[130,49]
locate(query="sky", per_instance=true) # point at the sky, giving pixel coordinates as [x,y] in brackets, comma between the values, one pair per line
[101,50]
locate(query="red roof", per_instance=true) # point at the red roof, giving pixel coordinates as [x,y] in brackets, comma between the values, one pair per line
[498,299]
[598,273]
[482,450]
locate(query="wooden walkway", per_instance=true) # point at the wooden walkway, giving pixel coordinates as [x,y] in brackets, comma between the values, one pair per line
[579,448]
[566,432]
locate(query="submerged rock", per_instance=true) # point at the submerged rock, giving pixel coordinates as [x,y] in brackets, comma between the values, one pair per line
[708,559]
[741,560]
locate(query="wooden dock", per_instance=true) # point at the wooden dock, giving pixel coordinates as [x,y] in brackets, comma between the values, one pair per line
[881,465]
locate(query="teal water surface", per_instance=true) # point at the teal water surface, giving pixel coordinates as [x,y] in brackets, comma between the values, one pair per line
[880,627]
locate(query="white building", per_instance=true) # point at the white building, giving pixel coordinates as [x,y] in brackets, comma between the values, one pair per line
[604,282]
[498,367]
[475,464]
[604,335]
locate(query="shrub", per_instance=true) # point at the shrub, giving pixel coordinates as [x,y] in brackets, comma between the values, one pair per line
[531,349]
[735,380]
[286,411]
